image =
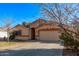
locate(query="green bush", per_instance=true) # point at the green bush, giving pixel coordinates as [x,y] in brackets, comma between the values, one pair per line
[12,36]
[68,39]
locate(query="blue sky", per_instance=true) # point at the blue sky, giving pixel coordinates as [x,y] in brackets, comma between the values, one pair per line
[19,13]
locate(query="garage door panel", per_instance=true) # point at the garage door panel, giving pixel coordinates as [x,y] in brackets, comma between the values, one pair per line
[49,35]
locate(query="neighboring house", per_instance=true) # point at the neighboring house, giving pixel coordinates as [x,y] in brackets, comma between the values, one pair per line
[38,30]
[3,34]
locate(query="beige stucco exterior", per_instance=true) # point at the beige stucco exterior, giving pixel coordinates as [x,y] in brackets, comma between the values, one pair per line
[43,31]
[24,32]
[22,37]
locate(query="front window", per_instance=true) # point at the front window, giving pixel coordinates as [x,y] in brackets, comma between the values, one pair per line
[18,32]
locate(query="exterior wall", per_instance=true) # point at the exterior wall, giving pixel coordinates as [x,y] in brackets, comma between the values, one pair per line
[29,33]
[25,32]
[22,37]
[3,34]
[36,24]
[25,35]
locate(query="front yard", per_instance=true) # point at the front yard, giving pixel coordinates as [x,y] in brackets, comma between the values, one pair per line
[31,48]
[4,43]
[9,45]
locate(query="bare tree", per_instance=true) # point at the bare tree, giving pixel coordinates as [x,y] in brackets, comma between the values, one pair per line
[61,13]
[64,14]
[7,27]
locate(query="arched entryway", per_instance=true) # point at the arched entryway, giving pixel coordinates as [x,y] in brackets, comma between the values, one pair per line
[32,33]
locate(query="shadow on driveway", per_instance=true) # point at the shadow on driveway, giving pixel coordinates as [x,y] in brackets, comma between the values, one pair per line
[32,52]
[41,41]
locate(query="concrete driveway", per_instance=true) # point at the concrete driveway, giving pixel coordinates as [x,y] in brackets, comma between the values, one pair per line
[35,49]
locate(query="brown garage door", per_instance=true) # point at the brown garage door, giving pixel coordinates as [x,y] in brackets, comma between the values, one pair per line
[49,35]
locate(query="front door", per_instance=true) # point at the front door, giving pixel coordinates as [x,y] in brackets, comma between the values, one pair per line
[32,33]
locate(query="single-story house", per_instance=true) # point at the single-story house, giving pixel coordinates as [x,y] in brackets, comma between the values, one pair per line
[38,30]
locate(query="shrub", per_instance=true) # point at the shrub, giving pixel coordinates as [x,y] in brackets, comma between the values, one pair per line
[12,36]
[68,39]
